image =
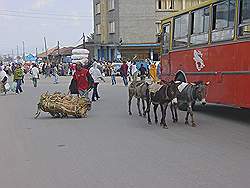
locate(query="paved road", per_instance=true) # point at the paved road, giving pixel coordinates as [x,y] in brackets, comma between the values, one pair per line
[110,149]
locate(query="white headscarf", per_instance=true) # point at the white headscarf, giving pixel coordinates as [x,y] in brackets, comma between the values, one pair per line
[95,72]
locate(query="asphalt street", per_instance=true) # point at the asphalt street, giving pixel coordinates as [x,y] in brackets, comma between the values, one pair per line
[110,149]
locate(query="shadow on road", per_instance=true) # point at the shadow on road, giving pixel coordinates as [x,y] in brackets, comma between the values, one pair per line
[226,112]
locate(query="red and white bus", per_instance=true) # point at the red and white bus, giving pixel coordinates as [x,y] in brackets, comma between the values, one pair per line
[210,42]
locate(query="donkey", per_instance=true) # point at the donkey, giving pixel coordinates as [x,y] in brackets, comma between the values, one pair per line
[189,93]
[161,97]
[138,89]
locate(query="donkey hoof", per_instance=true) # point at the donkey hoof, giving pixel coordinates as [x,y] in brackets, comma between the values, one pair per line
[186,122]
[194,125]
[165,127]
[140,114]
[130,113]
[149,123]
[156,122]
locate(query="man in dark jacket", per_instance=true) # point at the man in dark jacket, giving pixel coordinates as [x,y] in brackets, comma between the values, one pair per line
[124,73]
[143,72]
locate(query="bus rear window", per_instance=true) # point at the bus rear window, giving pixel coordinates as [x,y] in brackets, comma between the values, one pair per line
[244,18]
[166,38]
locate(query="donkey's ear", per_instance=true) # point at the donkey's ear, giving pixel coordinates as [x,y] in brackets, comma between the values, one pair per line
[207,83]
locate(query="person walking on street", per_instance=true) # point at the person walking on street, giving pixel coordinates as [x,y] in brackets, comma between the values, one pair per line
[113,79]
[18,78]
[3,80]
[84,81]
[124,73]
[96,75]
[159,71]
[134,72]
[153,72]
[55,75]
[35,74]
[143,72]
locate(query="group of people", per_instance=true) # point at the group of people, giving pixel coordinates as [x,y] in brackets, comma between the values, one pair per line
[18,78]
[132,72]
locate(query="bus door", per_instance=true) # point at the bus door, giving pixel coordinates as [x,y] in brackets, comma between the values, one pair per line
[165,58]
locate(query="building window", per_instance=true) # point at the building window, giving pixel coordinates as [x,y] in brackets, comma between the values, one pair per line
[111,27]
[158,27]
[244,18]
[98,29]
[164,4]
[181,31]
[223,20]
[199,26]
[98,8]
[111,4]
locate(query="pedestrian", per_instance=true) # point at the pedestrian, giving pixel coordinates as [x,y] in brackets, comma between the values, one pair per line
[159,71]
[83,79]
[18,78]
[96,75]
[143,72]
[35,74]
[124,73]
[113,79]
[153,72]
[134,71]
[3,81]
[55,75]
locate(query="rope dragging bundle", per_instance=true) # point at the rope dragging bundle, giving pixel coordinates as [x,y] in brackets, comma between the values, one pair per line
[60,105]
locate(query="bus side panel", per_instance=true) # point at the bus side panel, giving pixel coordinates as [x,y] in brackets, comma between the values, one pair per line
[223,69]
[243,85]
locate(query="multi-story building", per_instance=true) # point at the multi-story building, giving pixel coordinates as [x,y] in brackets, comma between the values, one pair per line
[131,28]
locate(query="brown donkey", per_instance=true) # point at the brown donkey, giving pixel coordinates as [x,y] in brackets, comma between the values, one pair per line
[161,97]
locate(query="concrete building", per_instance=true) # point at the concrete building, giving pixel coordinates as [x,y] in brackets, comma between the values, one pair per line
[131,28]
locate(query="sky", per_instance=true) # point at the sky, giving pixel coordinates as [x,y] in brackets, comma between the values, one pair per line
[32,20]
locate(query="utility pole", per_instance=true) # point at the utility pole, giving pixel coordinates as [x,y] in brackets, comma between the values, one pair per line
[17,50]
[58,51]
[83,41]
[58,47]
[23,51]
[46,50]
[36,55]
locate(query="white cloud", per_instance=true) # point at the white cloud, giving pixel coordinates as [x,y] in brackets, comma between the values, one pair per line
[38,4]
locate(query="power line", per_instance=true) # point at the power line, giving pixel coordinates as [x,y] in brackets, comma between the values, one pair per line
[37,17]
[45,14]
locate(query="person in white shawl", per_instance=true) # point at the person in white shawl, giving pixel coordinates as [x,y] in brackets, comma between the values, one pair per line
[3,80]
[96,75]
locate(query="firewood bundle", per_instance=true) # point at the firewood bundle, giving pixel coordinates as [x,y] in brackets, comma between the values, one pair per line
[60,105]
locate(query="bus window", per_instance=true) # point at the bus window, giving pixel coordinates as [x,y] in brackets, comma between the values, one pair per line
[199,26]
[181,31]
[223,20]
[244,18]
[166,38]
